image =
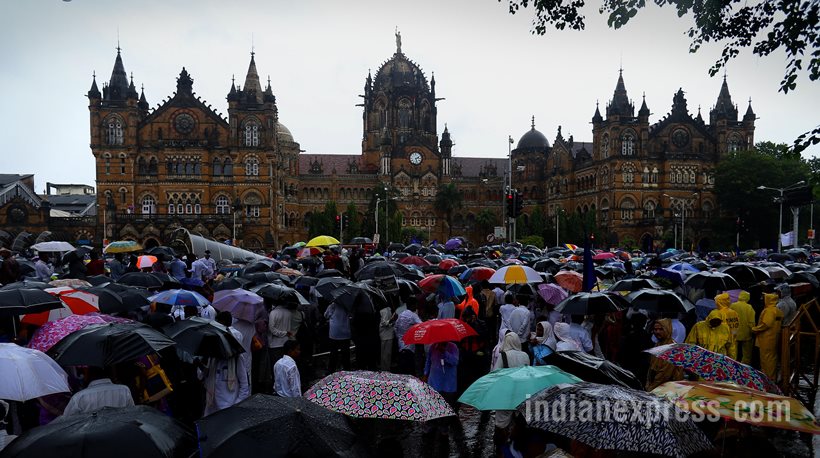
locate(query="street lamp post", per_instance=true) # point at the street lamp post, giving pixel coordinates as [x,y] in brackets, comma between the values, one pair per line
[780,219]
[510,221]
[682,217]
[378,199]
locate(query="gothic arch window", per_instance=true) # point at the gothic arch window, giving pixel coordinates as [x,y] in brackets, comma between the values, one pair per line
[645,175]
[653,177]
[123,196]
[605,146]
[217,167]
[189,168]
[431,220]
[627,144]
[649,209]
[252,129]
[227,170]
[107,163]
[114,131]
[381,114]
[707,208]
[604,210]
[251,166]
[733,144]
[627,208]
[628,170]
[253,205]
[197,168]
[149,205]
[223,205]
[405,113]
[152,166]
[142,168]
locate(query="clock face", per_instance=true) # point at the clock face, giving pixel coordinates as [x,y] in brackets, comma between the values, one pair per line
[680,138]
[184,123]
[415,158]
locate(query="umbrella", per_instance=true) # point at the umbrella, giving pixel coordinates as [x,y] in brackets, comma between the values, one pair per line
[453,244]
[70,282]
[180,297]
[712,281]
[54,331]
[569,280]
[590,304]
[713,366]
[438,330]
[22,301]
[546,265]
[386,268]
[25,284]
[326,285]
[281,294]
[146,261]
[571,247]
[778,272]
[804,277]
[232,283]
[97,280]
[274,426]
[322,240]
[522,289]
[53,247]
[683,267]
[111,300]
[472,274]
[124,246]
[74,303]
[746,274]
[168,280]
[108,344]
[395,246]
[609,271]
[674,276]
[140,279]
[203,337]
[262,265]
[242,304]
[603,256]
[734,402]
[593,369]
[414,260]
[515,274]
[359,298]
[610,417]
[29,373]
[661,301]
[162,252]
[365,394]
[552,293]
[505,389]
[329,273]
[443,285]
[447,264]
[633,284]
[129,432]
[408,288]
[309,251]
[360,240]
[266,277]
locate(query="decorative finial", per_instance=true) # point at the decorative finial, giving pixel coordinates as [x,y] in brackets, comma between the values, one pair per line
[132,77]
[644,96]
[268,80]
[596,103]
[233,79]
[398,41]
[750,100]
[94,74]
[253,46]
[142,88]
[118,40]
[533,122]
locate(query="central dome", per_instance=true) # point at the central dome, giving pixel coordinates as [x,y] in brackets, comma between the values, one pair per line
[283,133]
[533,139]
[400,71]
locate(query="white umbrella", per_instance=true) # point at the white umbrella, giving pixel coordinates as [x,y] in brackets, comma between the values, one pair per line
[53,247]
[29,374]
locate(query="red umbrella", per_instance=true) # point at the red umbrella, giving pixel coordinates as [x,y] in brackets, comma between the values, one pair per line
[414,260]
[75,302]
[477,274]
[603,256]
[570,280]
[433,331]
[447,264]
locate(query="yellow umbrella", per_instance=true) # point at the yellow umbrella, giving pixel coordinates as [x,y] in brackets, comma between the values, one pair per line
[322,240]
[122,246]
[740,404]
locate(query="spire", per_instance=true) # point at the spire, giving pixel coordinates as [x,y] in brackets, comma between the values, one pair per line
[750,114]
[132,90]
[699,118]
[268,96]
[232,93]
[445,137]
[533,122]
[644,111]
[118,84]
[620,104]
[94,92]
[185,83]
[597,116]
[143,104]
[724,108]
[433,84]
[253,88]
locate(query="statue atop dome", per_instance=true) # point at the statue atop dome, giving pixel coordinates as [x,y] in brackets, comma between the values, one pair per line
[398,41]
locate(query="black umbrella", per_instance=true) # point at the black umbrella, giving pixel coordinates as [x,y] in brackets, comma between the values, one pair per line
[22,241]
[455,271]
[609,271]
[359,298]
[360,241]
[25,284]
[385,269]
[127,432]
[141,279]
[590,304]
[22,301]
[97,280]
[273,426]
[267,277]
[483,263]
[547,265]
[281,294]
[592,369]
[433,259]
[232,283]
[325,286]
[633,284]
[108,344]
[413,248]
[108,300]
[523,289]
[263,265]
[395,246]
[329,273]
[306,281]
[203,337]
[662,301]
[716,281]
[167,280]
[780,257]
[746,274]
[398,256]
[164,253]
[803,277]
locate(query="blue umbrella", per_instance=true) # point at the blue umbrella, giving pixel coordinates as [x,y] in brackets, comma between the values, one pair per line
[453,244]
[675,276]
[683,267]
[180,297]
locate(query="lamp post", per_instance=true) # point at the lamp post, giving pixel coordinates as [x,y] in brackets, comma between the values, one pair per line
[557,226]
[682,216]
[510,221]
[378,199]
[780,218]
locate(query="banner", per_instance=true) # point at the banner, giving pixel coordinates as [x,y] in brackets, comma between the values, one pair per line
[787,238]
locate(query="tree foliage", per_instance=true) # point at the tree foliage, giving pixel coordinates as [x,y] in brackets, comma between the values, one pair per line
[322,223]
[792,26]
[354,226]
[448,200]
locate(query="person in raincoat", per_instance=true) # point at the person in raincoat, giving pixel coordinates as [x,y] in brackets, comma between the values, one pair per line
[543,343]
[732,320]
[510,355]
[468,302]
[786,304]
[744,337]
[767,333]
[711,333]
[661,371]
[564,338]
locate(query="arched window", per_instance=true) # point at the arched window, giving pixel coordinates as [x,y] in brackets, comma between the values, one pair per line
[217,167]
[114,135]
[149,205]
[605,146]
[197,168]
[170,168]
[653,178]
[107,162]
[253,205]
[181,167]
[228,169]
[627,144]
[252,166]
[733,144]
[172,208]
[645,175]
[123,196]
[649,209]
[604,210]
[142,169]
[152,166]
[405,113]
[628,173]
[627,209]
[251,133]
[707,209]
[189,208]
[223,205]
[189,168]
[122,165]
[180,208]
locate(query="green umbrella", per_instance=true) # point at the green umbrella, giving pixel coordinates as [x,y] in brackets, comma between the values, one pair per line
[505,389]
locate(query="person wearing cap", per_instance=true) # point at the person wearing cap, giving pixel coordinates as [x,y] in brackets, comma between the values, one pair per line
[712,333]
[767,333]
[210,261]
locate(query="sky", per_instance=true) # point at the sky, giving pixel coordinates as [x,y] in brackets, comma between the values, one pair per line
[492,71]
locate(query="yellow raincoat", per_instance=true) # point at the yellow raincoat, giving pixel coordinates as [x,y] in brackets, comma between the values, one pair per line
[661,371]
[715,339]
[744,337]
[768,333]
[731,319]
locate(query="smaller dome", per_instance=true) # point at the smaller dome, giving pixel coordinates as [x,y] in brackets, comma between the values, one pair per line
[533,139]
[282,133]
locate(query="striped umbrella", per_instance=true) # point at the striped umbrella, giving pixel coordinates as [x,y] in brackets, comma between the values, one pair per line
[476,274]
[146,261]
[512,274]
[122,246]
[180,297]
[75,302]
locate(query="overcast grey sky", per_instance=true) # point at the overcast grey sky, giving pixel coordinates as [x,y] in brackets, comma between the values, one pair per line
[492,71]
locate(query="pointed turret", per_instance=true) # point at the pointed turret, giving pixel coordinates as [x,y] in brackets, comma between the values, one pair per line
[232,95]
[94,92]
[268,95]
[750,114]
[132,90]
[699,118]
[724,108]
[644,111]
[253,88]
[679,104]
[433,84]
[143,103]
[597,116]
[445,142]
[118,84]
[620,104]
[185,83]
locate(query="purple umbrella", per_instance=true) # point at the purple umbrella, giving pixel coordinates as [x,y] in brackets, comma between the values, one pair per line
[552,293]
[243,304]
[453,244]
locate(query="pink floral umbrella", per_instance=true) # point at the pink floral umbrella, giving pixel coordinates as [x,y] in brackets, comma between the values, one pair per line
[54,331]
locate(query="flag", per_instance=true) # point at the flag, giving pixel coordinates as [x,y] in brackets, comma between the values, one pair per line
[589,281]
[787,238]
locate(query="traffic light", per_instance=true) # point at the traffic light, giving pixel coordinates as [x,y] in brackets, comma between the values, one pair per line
[519,203]
[510,205]
[345,221]
[338,223]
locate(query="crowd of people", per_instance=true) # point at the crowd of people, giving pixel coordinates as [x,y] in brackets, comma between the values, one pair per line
[294,343]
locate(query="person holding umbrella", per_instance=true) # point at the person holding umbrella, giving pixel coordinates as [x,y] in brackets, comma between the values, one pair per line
[43,270]
[407,352]
[712,334]
[446,308]
[100,392]
[661,371]
[225,379]
[510,355]
[441,369]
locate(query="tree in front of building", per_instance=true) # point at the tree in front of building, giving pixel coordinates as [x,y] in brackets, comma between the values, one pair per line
[448,200]
[323,223]
[354,226]
[486,220]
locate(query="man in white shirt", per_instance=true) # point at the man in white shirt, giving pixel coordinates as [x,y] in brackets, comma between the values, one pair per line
[579,333]
[287,381]
[226,380]
[279,331]
[386,336]
[201,269]
[101,392]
